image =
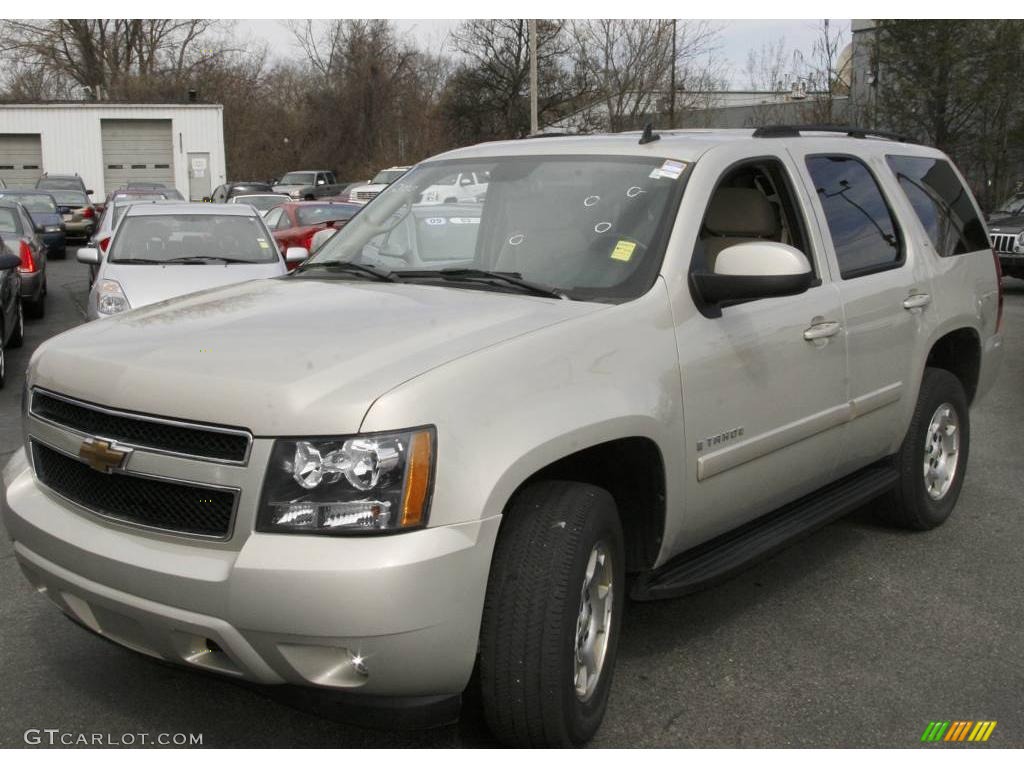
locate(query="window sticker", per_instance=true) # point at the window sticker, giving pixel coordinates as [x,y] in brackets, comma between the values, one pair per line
[623,250]
[670,169]
[464,220]
[435,221]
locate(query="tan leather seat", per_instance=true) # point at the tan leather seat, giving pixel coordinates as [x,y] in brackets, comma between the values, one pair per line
[737,215]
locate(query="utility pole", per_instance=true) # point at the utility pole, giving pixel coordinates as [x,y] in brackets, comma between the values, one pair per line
[534,127]
[672,83]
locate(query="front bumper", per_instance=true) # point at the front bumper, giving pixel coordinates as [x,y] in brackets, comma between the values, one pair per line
[391,615]
[1011,261]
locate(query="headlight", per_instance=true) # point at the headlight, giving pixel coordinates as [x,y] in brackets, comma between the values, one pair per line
[110,299]
[1020,238]
[52,228]
[343,485]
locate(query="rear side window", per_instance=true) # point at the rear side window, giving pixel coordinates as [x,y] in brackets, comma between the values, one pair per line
[941,203]
[862,227]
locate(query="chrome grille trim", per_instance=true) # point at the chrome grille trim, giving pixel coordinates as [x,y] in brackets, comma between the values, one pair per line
[235,492]
[198,427]
[1002,243]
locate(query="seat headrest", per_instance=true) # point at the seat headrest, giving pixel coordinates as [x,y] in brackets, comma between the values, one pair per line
[741,212]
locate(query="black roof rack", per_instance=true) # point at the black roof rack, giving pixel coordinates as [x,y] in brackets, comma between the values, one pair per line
[793,131]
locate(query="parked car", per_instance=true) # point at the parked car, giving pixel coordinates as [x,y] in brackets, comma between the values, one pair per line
[77,211]
[294,224]
[261,203]
[20,238]
[235,188]
[12,322]
[308,185]
[43,209]
[662,358]
[167,249]
[62,181]
[469,187]
[109,221]
[363,193]
[1006,233]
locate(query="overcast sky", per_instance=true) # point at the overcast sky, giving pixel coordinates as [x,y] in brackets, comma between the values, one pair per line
[737,38]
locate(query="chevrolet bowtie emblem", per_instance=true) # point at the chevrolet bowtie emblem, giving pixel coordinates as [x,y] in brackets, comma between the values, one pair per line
[103,455]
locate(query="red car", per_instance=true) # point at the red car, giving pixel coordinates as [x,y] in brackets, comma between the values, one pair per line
[294,224]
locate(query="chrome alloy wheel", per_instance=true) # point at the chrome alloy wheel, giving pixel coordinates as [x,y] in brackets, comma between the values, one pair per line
[941,451]
[594,622]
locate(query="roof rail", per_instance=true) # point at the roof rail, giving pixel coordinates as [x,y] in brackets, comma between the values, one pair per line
[549,135]
[793,131]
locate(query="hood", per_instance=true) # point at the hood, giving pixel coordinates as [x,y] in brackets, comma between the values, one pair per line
[1006,224]
[284,357]
[146,284]
[287,189]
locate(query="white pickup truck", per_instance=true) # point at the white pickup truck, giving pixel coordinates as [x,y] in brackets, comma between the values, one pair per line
[459,438]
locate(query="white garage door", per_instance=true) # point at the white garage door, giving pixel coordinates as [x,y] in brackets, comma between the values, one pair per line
[137,150]
[21,159]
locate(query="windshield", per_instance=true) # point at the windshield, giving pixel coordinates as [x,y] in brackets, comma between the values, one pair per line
[70,198]
[298,178]
[177,237]
[318,214]
[387,177]
[592,227]
[72,183]
[1013,205]
[260,202]
[34,203]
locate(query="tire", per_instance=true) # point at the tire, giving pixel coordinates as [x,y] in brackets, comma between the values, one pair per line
[921,502]
[553,533]
[36,309]
[18,337]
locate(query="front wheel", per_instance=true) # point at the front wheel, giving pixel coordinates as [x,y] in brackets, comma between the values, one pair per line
[933,458]
[552,614]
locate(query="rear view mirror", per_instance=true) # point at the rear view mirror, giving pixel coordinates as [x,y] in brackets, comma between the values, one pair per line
[754,270]
[88,256]
[8,261]
[295,255]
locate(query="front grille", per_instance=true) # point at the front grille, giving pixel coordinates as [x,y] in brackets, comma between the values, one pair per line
[134,499]
[142,431]
[1003,243]
[365,195]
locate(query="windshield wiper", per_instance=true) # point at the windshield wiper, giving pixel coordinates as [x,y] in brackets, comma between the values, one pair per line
[498,279]
[206,259]
[349,267]
[135,261]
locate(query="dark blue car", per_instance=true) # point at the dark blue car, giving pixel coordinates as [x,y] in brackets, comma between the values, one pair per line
[45,215]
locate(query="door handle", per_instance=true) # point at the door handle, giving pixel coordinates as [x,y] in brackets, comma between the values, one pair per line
[822,330]
[917,301]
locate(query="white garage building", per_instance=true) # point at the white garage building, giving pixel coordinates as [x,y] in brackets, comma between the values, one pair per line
[108,145]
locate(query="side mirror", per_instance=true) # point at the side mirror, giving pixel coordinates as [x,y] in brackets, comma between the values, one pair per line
[293,255]
[754,270]
[88,256]
[320,181]
[9,261]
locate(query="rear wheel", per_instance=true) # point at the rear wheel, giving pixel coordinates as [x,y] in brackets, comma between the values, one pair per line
[551,618]
[933,458]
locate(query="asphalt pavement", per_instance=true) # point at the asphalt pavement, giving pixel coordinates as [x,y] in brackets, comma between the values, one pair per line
[857,636]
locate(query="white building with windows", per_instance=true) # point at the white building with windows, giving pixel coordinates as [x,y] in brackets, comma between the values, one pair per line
[109,145]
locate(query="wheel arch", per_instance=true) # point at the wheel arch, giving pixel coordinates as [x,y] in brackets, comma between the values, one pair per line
[632,469]
[958,350]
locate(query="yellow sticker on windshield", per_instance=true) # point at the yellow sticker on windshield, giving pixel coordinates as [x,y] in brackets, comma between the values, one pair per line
[263,243]
[623,250]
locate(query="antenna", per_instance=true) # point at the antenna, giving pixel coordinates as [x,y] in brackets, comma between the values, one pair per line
[649,135]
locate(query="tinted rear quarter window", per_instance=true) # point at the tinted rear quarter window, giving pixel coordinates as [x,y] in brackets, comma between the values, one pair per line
[862,227]
[944,207]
